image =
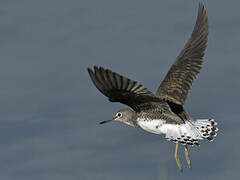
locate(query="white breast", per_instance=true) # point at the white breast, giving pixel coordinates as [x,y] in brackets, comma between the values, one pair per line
[172,131]
[156,126]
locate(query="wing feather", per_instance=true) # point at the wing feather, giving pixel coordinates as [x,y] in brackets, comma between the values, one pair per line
[121,89]
[188,64]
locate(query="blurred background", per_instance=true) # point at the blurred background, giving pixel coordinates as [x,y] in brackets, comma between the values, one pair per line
[49,108]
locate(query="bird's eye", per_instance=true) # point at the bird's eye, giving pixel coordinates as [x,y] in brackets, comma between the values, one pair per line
[118,114]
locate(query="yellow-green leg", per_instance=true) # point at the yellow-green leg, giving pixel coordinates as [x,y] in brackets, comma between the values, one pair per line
[176,156]
[187,156]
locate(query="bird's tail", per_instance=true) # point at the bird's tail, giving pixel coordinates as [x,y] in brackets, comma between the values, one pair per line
[207,128]
[191,132]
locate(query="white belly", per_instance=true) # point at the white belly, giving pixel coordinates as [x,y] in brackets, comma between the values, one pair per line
[157,126]
[172,131]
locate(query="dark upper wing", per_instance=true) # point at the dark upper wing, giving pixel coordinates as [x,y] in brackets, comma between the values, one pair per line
[183,72]
[121,89]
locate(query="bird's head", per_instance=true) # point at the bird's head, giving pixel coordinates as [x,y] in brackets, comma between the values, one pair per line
[126,116]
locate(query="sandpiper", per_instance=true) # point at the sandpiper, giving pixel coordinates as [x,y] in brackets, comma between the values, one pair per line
[163,112]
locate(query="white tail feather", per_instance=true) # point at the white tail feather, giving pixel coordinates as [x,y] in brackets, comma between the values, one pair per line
[207,128]
[192,131]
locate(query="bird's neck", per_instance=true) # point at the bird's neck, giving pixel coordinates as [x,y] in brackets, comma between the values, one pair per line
[133,121]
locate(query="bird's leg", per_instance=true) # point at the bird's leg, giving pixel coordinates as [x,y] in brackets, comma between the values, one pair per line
[187,156]
[176,156]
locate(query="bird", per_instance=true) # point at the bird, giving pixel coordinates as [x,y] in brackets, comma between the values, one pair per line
[163,112]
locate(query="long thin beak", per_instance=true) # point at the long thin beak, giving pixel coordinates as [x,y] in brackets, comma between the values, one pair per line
[106,121]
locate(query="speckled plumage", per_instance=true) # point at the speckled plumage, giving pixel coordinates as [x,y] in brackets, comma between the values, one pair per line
[168,102]
[163,112]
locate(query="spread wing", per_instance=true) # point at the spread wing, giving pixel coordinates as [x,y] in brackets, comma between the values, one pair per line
[184,70]
[121,89]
